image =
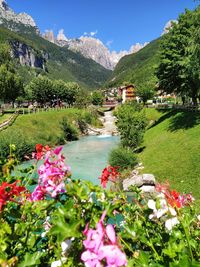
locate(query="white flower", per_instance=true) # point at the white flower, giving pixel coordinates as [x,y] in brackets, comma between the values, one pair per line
[172,211]
[198,217]
[59,262]
[65,245]
[170,223]
[151,204]
[158,213]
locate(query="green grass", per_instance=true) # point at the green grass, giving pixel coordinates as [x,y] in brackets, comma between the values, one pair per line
[4,117]
[172,149]
[44,127]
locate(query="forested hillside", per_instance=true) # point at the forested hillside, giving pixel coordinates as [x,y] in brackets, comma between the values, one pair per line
[61,63]
[139,67]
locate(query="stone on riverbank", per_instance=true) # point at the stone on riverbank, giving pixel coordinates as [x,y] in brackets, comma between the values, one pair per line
[146,182]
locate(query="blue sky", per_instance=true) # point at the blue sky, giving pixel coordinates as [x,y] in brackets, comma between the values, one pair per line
[121,23]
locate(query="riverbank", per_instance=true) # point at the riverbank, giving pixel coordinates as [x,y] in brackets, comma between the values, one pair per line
[44,128]
[109,127]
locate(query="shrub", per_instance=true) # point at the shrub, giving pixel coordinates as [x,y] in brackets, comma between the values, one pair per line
[82,125]
[69,130]
[131,124]
[122,157]
[23,146]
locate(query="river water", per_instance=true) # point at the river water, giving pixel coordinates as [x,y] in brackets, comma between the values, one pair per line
[88,156]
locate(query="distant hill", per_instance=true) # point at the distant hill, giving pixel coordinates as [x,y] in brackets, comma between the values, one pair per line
[138,67]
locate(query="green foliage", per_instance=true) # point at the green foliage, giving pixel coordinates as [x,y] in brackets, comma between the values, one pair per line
[10,83]
[97,98]
[62,63]
[123,158]
[31,233]
[146,91]
[69,130]
[138,68]
[83,99]
[23,146]
[5,56]
[179,68]
[131,124]
[41,89]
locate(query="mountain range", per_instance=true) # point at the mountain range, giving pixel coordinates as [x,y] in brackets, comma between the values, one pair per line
[85,60]
[92,47]
[37,55]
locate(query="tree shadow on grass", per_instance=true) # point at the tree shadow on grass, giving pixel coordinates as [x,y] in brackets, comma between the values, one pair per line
[184,120]
[167,115]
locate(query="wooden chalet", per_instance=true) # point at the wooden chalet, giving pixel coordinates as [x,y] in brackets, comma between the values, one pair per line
[128,93]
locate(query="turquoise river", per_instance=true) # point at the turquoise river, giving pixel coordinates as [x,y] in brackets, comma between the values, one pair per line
[88,156]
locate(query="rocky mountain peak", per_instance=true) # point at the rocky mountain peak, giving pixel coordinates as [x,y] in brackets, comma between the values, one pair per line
[8,17]
[91,47]
[3,5]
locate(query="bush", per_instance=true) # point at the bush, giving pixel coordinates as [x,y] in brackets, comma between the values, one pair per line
[131,124]
[23,146]
[122,157]
[69,130]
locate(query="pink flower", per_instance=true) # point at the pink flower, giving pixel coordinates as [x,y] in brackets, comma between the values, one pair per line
[38,193]
[101,245]
[52,174]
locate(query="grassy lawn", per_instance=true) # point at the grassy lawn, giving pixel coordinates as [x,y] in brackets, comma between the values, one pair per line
[172,149]
[5,117]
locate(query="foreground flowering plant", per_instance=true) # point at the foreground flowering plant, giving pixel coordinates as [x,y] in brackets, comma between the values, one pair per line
[109,173]
[166,205]
[10,192]
[58,223]
[52,175]
[101,245]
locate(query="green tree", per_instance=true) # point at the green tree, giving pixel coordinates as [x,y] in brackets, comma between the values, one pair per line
[146,91]
[131,124]
[97,98]
[5,55]
[72,92]
[60,89]
[41,89]
[11,85]
[83,99]
[179,70]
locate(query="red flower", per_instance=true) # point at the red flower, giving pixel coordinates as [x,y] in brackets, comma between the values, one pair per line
[8,192]
[108,174]
[174,198]
[40,151]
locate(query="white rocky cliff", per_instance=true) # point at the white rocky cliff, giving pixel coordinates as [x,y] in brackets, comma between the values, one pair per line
[7,14]
[92,47]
